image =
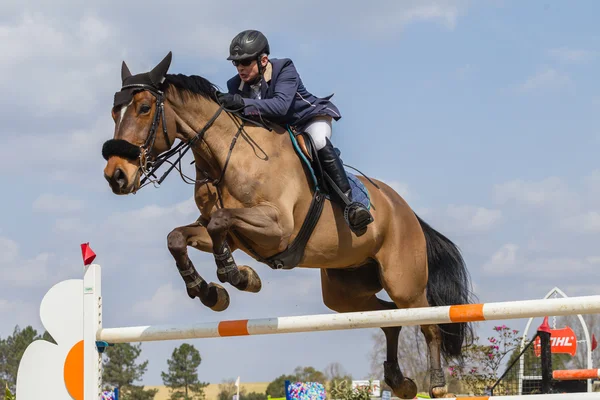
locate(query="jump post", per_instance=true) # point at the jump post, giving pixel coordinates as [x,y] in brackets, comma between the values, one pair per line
[93,337]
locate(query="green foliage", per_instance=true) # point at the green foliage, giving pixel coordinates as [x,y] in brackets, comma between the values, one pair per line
[481,368]
[276,388]
[121,371]
[253,396]
[336,374]
[8,395]
[309,374]
[11,352]
[183,374]
[343,390]
[228,390]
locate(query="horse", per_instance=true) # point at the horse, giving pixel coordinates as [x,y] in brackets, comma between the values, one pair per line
[254,193]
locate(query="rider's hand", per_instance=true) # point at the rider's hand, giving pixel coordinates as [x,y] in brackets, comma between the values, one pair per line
[231,101]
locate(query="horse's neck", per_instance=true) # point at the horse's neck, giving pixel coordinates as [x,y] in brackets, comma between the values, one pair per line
[257,155]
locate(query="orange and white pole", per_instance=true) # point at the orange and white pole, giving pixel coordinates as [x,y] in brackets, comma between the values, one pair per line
[575,374]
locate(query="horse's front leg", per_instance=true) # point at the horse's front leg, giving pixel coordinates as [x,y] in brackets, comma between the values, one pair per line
[211,294]
[260,224]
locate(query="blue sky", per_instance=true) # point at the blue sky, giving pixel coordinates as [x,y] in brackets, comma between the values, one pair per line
[484,115]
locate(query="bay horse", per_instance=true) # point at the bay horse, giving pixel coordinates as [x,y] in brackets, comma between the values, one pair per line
[255,194]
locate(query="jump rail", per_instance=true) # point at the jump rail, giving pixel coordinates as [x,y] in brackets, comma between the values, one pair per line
[72,311]
[355,320]
[556,396]
[575,374]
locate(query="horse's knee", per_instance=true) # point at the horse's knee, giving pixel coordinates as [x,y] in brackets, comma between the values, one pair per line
[176,242]
[220,220]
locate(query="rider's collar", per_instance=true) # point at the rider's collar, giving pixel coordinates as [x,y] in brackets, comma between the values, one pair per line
[267,75]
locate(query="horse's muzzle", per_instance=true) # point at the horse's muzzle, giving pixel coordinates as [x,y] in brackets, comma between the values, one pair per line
[118,181]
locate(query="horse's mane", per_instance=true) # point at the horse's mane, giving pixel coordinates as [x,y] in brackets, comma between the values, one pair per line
[193,84]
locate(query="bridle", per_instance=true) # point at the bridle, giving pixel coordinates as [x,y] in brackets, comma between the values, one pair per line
[148,164]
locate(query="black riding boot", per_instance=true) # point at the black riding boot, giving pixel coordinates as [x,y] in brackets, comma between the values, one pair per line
[357,216]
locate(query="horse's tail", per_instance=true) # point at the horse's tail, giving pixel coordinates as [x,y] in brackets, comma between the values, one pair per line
[448,284]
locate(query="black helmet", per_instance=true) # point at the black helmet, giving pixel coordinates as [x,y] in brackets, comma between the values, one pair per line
[248,44]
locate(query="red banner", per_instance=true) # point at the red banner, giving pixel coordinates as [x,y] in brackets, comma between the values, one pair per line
[561,341]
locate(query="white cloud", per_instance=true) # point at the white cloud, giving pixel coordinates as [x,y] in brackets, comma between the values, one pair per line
[75,60]
[552,193]
[511,259]
[160,306]
[392,16]
[140,226]
[503,260]
[22,272]
[571,55]
[401,188]
[474,219]
[53,203]
[547,79]
[588,222]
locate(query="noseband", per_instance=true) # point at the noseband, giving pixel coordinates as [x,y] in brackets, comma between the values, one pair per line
[148,164]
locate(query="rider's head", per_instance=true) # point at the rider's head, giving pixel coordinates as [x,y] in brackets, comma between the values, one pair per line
[249,51]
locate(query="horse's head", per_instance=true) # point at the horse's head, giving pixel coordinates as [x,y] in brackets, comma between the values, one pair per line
[142,129]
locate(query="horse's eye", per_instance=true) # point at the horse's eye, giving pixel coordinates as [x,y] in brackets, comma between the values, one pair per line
[144,109]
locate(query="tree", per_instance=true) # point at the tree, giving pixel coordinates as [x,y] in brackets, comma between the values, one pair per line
[11,352]
[227,390]
[121,371]
[335,375]
[593,323]
[183,374]
[277,387]
[309,374]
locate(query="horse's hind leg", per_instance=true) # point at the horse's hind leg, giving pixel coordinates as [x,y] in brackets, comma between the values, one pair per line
[404,277]
[211,295]
[347,290]
[437,380]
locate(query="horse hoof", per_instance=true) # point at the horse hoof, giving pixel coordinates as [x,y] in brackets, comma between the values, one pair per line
[407,389]
[217,298]
[254,283]
[438,392]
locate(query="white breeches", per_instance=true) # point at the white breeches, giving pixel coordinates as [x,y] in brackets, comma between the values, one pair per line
[319,128]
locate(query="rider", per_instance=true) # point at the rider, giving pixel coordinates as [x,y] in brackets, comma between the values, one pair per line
[273,88]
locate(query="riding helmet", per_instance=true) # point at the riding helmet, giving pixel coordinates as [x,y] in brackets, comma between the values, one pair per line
[248,44]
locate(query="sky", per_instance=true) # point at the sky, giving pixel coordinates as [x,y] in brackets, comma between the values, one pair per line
[484,116]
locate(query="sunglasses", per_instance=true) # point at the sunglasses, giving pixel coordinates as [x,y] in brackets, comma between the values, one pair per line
[245,62]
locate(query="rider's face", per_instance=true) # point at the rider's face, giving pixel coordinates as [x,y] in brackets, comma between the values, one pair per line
[248,70]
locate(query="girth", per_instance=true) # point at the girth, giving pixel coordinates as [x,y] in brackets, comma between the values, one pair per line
[293,254]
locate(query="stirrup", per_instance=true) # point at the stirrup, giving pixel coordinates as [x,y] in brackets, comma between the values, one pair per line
[359,228]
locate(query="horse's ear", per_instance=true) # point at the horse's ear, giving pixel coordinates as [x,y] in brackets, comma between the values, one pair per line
[158,73]
[125,73]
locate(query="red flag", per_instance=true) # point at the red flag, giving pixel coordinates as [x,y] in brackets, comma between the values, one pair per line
[544,327]
[594,342]
[87,253]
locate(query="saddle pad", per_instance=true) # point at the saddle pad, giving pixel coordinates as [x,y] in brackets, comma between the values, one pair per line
[360,193]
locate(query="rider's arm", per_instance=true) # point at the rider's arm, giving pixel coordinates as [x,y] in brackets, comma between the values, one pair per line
[283,95]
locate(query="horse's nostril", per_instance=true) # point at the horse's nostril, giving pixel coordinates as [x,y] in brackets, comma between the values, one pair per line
[120,178]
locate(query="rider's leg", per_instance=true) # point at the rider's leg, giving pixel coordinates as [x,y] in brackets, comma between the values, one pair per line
[319,130]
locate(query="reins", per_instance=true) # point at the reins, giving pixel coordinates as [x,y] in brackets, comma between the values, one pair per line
[149,167]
